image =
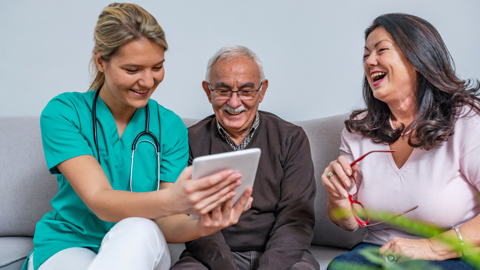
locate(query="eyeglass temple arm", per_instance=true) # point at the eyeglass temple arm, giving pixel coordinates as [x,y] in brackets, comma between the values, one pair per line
[401,214]
[375,151]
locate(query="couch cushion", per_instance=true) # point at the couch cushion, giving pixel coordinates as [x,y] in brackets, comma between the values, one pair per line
[13,251]
[175,251]
[26,186]
[324,255]
[324,136]
[189,122]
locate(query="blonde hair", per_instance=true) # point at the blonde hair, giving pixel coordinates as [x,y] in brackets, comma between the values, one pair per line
[118,24]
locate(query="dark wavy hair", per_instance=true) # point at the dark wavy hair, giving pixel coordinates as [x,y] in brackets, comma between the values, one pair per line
[440,94]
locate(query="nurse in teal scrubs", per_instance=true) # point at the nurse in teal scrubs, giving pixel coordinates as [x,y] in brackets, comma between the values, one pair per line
[101,220]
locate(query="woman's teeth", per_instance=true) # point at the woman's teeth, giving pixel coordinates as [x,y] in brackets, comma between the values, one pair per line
[377,76]
[140,91]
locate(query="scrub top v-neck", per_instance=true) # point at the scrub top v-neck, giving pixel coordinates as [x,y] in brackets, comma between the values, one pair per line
[67,132]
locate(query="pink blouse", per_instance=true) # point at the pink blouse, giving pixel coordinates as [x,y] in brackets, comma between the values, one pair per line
[443,182]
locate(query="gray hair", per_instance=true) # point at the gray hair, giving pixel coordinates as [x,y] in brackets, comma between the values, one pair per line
[231,52]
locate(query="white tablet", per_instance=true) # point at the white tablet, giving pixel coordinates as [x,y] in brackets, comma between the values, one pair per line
[242,161]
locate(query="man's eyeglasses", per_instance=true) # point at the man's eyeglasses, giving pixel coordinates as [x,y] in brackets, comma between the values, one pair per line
[359,211]
[244,94]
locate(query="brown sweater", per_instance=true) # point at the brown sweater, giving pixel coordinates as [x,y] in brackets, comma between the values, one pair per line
[281,219]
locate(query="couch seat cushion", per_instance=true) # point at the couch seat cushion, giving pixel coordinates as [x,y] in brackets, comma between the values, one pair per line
[14,249]
[175,251]
[324,255]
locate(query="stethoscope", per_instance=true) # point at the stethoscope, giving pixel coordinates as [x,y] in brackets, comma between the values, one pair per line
[135,142]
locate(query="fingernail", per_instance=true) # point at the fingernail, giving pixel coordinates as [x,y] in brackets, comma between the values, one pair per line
[345,194]
[238,183]
[349,172]
[347,183]
[229,172]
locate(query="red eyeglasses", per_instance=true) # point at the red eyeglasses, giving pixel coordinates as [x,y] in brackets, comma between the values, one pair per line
[359,211]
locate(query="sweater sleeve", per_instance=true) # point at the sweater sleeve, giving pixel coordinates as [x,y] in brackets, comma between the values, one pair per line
[292,231]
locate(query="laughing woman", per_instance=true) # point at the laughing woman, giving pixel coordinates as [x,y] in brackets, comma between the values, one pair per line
[419,108]
[116,208]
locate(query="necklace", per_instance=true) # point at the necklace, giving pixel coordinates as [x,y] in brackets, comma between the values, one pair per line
[391,124]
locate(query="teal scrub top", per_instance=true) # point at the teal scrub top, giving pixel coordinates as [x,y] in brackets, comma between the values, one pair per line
[67,132]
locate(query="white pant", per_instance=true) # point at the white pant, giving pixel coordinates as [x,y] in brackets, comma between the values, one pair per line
[133,243]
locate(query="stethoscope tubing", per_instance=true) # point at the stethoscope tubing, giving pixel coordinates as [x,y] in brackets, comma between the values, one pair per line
[135,142]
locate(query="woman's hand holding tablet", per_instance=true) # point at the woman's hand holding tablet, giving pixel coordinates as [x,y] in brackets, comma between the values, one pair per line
[224,215]
[202,195]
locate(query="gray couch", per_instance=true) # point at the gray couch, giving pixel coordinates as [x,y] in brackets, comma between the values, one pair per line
[26,188]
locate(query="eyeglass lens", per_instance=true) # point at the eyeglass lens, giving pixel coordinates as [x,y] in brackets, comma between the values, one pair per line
[242,94]
[360,212]
[224,94]
[352,189]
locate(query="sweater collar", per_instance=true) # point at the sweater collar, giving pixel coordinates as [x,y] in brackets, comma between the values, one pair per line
[247,138]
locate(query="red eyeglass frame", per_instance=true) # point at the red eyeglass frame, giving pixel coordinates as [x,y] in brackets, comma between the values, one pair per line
[352,201]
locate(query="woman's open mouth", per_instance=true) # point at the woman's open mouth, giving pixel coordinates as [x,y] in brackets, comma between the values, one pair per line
[377,77]
[140,92]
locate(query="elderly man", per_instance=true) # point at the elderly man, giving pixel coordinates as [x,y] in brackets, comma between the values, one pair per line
[276,232]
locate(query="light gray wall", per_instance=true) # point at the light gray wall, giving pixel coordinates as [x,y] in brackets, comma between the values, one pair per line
[311,50]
